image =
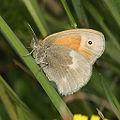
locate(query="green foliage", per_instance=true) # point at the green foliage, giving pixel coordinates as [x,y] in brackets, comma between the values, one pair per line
[50,16]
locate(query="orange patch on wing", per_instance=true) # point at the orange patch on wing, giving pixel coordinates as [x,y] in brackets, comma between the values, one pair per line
[71,41]
[85,53]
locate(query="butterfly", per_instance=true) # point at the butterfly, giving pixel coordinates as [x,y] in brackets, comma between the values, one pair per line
[67,57]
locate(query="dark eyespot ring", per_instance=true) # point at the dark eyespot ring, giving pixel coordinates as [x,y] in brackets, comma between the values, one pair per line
[90,42]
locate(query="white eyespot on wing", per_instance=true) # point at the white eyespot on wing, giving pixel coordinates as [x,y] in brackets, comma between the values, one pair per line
[67,68]
[94,50]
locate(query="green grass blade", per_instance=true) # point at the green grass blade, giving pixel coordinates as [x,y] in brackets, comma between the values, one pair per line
[111,98]
[91,9]
[37,15]
[7,103]
[113,10]
[71,19]
[20,113]
[20,65]
[115,68]
[77,4]
[29,61]
[1,118]
[28,113]
[117,5]
[57,23]
[113,52]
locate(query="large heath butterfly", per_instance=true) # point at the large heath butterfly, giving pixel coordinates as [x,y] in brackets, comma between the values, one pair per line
[67,57]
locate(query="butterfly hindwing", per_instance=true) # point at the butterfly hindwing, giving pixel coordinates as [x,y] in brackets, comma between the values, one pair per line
[67,68]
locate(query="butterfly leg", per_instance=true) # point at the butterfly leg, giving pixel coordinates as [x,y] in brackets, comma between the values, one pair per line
[40,69]
[29,53]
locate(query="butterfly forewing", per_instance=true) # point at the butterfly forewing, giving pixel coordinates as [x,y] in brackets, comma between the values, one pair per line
[78,40]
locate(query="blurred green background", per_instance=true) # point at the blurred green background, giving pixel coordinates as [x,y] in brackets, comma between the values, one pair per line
[47,17]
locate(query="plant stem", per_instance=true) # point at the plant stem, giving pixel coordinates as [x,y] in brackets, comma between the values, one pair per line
[29,61]
[35,12]
[7,103]
[72,21]
[112,8]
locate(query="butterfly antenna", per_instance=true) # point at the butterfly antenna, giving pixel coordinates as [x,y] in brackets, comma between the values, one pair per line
[33,32]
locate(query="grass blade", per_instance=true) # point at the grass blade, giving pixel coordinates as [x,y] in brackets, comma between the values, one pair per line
[7,103]
[20,49]
[77,4]
[111,98]
[71,19]
[28,113]
[91,9]
[57,23]
[112,8]
[35,12]
[20,113]
[113,52]
[114,67]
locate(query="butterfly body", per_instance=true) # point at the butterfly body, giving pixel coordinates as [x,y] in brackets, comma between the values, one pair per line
[67,57]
